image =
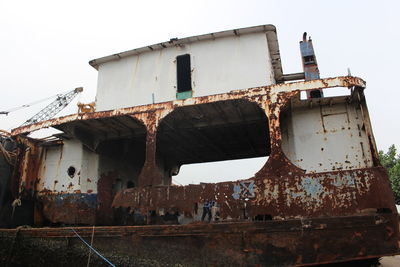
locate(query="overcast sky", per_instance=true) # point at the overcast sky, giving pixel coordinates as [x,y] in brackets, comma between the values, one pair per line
[45,46]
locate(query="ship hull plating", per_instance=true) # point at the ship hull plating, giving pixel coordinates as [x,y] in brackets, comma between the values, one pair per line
[321,197]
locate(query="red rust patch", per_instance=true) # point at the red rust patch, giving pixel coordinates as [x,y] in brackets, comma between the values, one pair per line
[104,213]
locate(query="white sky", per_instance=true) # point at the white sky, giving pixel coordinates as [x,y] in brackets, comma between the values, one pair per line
[45,46]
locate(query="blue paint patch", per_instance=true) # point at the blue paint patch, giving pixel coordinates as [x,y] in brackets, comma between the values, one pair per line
[88,199]
[312,186]
[306,49]
[184,95]
[311,76]
[236,191]
[343,181]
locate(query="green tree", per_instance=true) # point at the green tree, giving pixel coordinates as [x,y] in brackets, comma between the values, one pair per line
[391,161]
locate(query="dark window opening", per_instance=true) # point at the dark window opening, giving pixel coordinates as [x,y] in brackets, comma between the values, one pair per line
[309,60]
[130,184]
[316,94]
[262,217]
[183,73]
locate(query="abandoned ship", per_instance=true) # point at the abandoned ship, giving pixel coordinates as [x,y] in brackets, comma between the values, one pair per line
[100,191]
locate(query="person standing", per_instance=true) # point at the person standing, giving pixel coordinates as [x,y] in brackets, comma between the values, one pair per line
[207,210]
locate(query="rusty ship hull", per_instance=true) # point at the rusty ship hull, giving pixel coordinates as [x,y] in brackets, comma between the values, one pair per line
[294,242]
[283,216]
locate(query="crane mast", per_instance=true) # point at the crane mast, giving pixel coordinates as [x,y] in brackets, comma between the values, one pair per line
[54,107]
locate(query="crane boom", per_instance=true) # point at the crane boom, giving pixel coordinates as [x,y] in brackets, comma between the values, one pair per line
[54,107]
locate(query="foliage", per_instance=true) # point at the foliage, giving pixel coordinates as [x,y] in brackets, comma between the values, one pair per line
[391,161]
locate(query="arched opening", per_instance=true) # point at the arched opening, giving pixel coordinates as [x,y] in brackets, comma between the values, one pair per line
[218,171]
[212,132]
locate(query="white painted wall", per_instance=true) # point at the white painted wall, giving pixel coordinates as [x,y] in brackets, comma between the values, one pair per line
[218,66]
[53,173]
[89,171]
[343,144]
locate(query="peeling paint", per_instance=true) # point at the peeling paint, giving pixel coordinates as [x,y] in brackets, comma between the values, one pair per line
[279,191]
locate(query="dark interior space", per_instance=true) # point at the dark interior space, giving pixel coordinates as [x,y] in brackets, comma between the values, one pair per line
[224,130]
[120,142]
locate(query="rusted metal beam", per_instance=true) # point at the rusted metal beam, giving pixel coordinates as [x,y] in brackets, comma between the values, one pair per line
[347,81]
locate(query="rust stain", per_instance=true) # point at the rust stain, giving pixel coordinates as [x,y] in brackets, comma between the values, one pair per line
[29,163]
[282,197]
[279,191]
[273,243]
[70,185]
[104,211]
[251,93]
